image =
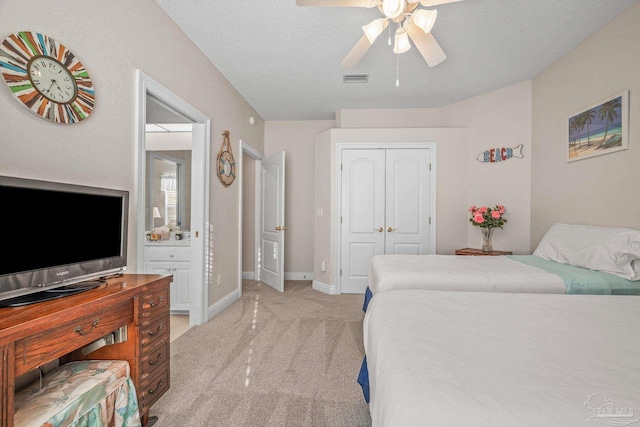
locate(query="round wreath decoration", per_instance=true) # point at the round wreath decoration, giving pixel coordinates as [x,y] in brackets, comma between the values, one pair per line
[226,164]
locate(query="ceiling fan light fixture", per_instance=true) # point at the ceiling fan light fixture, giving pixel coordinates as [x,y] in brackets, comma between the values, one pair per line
[424,19]
[402,43]
[373,29]
[392,8]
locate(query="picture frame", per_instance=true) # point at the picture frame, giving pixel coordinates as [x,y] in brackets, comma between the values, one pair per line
[601,128]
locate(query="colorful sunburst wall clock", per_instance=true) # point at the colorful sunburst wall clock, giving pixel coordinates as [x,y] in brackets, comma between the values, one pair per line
[46,77]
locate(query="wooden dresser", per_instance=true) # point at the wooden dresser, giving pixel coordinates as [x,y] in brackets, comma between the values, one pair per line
[33,335]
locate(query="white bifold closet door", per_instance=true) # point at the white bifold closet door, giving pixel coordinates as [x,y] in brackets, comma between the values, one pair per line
[385,200]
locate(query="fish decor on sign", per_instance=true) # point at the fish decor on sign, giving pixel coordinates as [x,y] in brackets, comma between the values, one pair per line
[495,155]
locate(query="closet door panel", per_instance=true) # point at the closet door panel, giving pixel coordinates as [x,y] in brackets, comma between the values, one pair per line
[362,227]
[407,201]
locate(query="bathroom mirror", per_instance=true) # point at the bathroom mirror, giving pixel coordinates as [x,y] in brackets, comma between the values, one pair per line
[168,166]
[168,189]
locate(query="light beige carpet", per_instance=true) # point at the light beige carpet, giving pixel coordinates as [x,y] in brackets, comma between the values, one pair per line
[270,359]
[179,325]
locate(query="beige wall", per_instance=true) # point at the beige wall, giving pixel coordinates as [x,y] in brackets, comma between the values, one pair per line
[501,118]
[600,190]
[388,118]
[113,39]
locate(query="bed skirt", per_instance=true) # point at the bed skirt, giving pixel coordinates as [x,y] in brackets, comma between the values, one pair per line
[363,375]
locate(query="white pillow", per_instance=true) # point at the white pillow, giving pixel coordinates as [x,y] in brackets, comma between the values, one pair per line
[610,249]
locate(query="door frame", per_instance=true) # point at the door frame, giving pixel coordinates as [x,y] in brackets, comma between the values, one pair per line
[248,149]
[201,149]
[340,146]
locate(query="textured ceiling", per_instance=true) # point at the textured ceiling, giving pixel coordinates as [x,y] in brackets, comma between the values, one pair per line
[285,59]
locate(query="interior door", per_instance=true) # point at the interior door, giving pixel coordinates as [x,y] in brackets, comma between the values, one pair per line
[407,201]
[363,216]
[385,209]
[272,227]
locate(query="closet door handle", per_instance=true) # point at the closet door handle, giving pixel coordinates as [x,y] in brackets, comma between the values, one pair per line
[379,230]
[390,229]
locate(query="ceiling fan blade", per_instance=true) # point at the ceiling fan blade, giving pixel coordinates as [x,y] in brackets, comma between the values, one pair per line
[356,53]
[430,3]
[338,3]
[427,45]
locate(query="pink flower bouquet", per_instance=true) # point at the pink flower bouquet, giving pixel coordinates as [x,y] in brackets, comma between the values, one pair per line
[487,217]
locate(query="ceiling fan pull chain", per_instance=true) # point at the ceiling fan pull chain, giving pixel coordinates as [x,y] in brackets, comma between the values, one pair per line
[397,69]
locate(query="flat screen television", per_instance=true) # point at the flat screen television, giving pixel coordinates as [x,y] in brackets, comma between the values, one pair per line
[59,238]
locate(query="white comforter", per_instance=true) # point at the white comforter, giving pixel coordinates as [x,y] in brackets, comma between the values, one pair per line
[501,359]
[460,273]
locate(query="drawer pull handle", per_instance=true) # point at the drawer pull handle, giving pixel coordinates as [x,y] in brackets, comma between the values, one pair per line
[153,304]
[158,359]
[152,391]
[154,333]
[93,326]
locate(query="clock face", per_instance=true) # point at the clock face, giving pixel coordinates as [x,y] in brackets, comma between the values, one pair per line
[52,79]
[46,77]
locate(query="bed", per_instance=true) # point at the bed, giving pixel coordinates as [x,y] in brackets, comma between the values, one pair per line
[570,258]
[506,273]
[481,358]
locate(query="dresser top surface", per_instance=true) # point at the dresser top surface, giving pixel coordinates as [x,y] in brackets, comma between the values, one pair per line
[126,286]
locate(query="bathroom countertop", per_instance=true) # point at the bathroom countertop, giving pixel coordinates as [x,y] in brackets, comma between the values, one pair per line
[168,242]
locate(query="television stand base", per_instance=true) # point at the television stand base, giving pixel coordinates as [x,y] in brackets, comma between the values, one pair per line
[50,294]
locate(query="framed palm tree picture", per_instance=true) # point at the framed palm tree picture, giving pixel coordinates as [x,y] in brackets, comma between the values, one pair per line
[601,128]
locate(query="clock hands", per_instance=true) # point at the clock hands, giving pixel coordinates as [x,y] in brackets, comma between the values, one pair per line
[61,93]
[52,83]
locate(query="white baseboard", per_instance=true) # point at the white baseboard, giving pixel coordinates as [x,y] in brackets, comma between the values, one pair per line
[323,287]
[223,303]
[298,276]
[250,275]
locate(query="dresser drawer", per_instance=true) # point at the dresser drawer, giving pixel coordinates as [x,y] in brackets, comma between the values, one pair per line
[153,331]
[48,344]
[154,304]
[168,253]
[154,360]
[152,388]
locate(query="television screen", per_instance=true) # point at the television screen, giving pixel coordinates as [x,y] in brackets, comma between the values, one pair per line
[60,234]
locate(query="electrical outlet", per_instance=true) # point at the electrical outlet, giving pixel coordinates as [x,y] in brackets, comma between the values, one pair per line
[220,279]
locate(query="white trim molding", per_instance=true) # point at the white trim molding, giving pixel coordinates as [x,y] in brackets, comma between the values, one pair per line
[324,288]
[222,304]
[251,275]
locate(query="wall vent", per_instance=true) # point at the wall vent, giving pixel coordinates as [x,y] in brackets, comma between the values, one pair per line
[355,78]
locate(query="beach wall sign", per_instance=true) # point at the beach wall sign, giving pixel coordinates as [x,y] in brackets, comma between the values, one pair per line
[494,155]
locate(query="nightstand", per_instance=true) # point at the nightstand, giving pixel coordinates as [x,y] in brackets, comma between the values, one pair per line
[479,252]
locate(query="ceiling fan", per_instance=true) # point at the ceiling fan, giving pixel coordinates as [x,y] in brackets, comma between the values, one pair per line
[411,23]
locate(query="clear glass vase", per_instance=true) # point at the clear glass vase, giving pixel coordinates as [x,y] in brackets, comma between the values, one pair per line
[487,233]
